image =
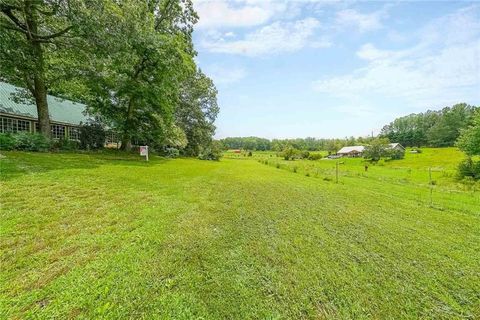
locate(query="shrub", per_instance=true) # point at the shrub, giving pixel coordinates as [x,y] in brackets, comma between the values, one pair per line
[26,141]
[469,168]
[172,152]
[7,142]
[396,154]
[249,153]
[290,153]
[315,156]
[213,151]
[64,144]
[92,136]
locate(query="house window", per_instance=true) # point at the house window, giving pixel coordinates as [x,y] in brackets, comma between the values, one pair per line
[74,133]
[58,132]
[111,137]
[7,125]
[23,125]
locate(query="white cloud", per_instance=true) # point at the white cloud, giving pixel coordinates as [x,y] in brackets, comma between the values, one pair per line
[274,38]
[217,14]
[362,22]
[223,75]
[442,67]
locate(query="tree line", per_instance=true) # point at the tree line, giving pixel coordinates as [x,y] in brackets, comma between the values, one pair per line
[439,128]
[309,143]
[130,61]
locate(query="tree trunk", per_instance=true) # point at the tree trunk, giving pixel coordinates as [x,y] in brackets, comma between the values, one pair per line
[126,143]
[42,106]
[39,86]
[127,128]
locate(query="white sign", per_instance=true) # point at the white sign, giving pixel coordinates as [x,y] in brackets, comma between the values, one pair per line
[144,151]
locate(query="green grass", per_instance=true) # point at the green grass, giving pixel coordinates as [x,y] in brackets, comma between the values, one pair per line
[109,236]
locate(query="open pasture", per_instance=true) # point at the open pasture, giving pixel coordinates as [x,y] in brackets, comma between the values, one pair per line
[109,236]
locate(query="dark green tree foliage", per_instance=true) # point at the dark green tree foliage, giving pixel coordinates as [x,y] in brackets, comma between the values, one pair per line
[92,136]
[469,140]
[378,148]
[213,151]
[247,143]
[141,55]
[395,154]
[37,38]
[309,143]
[197,111]
[432,128]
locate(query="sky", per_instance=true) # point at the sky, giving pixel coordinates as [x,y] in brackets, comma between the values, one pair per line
[325,69]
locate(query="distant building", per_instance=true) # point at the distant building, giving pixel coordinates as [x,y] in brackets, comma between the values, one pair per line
[396,146]
[352,151]
[17,116]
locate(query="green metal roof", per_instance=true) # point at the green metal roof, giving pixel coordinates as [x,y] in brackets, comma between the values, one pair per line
[60,110]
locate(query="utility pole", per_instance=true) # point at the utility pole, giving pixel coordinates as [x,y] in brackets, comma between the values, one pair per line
[431,186]
[336,172]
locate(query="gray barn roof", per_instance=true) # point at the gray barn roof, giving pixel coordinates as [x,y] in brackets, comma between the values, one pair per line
[349,149]
[60,110]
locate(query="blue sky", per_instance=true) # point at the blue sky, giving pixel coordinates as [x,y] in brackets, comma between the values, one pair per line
[288,69]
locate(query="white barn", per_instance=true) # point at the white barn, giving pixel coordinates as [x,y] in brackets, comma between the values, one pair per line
[352,151]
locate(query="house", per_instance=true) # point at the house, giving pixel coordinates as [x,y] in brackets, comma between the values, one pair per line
[17,116]
[396,146]
[352,151]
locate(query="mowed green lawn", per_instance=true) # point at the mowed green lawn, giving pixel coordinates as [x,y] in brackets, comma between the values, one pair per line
[109,236]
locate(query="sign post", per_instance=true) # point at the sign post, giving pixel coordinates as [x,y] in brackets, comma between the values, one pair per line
[144,152]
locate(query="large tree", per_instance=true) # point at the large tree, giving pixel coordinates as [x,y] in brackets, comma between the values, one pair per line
[142,52]
[197,111]
[32,36]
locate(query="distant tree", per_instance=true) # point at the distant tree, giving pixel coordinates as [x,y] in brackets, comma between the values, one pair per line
[432,128]
[469,140]
[290,153]
[377,149]
[447,129]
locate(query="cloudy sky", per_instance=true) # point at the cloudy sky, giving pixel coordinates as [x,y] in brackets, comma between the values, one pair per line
[332,68]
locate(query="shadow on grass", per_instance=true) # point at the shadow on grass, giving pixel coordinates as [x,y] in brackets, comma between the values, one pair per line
[14,164]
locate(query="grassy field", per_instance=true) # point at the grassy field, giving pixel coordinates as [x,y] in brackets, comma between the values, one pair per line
[109,236]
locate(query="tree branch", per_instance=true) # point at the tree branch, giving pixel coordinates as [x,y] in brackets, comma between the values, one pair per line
[12,27]
[7,10]
[54,35]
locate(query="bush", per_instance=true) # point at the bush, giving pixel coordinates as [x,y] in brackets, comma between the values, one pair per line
[290,153]
[64,144]
[172,152]
[212,152]
[315,156]
[92,136]
[26,141]
[469,168]
[395,154]
[7,141]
